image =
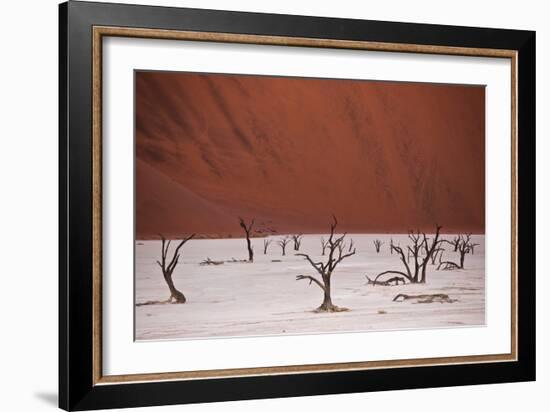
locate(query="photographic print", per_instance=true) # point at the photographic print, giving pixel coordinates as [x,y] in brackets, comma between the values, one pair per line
[270,205]
[240,191]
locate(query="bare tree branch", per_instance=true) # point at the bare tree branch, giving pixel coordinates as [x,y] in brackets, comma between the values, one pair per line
[311,279]
[393,272]
[336,246]
[168,269]
[324,245]
[421,249]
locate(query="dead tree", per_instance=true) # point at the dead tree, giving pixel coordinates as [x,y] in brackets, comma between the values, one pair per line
[447,265]
[472,247]
[283,242]
[233,260]
[396,280]
[341,247]
[209,261]
[377,244]
[464,247]
[437,252]
[247,230]
[351,245]
[297,241]
[336,247]
[324,245]
[454,242]
[391,246]
[420,250]
[267,242]
[409,254]
[436,297]
[168,265]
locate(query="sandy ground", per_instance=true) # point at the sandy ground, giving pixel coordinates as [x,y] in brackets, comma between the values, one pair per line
[264,298]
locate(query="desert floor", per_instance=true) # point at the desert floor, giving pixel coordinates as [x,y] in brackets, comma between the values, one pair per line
[264,297]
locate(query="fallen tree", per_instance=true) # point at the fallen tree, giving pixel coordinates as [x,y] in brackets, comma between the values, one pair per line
[209,261]
[425,298]
[395,281]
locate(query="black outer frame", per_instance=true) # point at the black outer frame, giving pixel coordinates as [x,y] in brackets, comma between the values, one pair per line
[76,389]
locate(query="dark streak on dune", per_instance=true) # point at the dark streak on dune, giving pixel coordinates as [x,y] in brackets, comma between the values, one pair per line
[229,117]
[384,157]
[208,160]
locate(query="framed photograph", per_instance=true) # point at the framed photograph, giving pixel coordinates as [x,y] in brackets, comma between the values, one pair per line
[256,205]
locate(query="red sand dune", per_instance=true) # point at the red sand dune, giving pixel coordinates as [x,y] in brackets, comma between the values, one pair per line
[160,210]
[382,156]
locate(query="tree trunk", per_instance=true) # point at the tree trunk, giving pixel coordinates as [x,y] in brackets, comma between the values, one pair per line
[247,230]
[462,255]
[174,293]
[327,305]
[423,277]
[250,251]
